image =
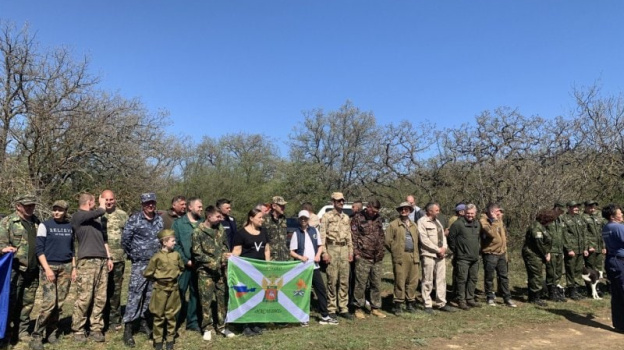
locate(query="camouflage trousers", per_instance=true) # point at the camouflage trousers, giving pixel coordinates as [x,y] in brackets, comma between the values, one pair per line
[22,299]
[139,293]
[595,260]
[164,306]
[574,270]
[91,281]
[113,291]
[53,297]
[212,296]
[368,271]
[338,279]
[554,269]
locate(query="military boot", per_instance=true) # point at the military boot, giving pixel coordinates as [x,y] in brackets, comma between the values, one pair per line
[158,346]
[145,328]
[398,309]
[411,307]
[573,293]
[128,339]
[169,345]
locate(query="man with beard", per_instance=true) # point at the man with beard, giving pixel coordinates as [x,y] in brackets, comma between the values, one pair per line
[140,242]
[183,228]
[368,251]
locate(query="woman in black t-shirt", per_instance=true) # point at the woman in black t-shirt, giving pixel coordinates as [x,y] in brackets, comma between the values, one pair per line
[252,242]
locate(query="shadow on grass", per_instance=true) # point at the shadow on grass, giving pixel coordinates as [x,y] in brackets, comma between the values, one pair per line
[582,319]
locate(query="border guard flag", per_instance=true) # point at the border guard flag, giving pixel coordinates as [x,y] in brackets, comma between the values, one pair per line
[268,291]
[6,260]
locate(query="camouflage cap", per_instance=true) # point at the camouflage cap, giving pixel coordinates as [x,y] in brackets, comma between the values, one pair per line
[572,204]
[27,199]
[559,204]
[279,200]
[61,204]
[337,196]
[405,205]
[148,197]
[166,233]
[590,203]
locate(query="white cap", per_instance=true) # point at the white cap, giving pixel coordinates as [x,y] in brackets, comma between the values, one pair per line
[304,213]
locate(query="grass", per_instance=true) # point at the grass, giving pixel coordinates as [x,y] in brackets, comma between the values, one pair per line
[407,331]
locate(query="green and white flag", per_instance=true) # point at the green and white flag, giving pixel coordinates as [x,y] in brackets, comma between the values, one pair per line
[268,291]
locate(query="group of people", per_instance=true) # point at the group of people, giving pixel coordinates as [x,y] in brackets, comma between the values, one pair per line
[179,259]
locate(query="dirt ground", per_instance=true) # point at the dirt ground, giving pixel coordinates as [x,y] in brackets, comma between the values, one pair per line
[576,332]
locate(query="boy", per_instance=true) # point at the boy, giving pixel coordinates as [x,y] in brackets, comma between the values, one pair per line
[306,244]
[164,268]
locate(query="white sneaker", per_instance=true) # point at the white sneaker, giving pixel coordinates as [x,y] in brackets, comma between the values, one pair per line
[228,333]
[207,335]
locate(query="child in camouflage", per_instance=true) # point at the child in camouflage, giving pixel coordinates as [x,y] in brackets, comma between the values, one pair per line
[164,268]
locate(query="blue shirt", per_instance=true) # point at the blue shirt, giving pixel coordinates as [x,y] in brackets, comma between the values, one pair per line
[55,240]
[613,236]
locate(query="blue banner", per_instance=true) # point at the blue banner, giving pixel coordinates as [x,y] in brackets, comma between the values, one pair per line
[6,261]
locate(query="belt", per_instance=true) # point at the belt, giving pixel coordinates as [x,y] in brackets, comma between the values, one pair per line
[340,244]
[166,283]
[409,250]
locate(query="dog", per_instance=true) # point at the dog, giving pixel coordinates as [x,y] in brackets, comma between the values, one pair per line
[592,277]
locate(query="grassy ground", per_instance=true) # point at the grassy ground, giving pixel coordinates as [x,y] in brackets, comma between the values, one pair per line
[407,331]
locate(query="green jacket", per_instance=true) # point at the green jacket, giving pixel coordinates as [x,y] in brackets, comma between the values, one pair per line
[574,233]
[463,239]
[209,248]
[556,230]
[395,240]
[183,228]
[594,231]
[14,234]
[537,240]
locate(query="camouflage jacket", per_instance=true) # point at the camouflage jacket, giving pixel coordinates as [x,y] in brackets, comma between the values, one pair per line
[276,230]
[113,224]
[14,234]
[367,236]
[574,233]
[209,248]
[555,231]
[594,231]
[140,237]
[537,240]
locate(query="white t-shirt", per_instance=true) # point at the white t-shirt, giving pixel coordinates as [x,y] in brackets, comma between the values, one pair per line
[308,248]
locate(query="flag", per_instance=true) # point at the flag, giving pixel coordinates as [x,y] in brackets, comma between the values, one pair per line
[6,261]
[268,291]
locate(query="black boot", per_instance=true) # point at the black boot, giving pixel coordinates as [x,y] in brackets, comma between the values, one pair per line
[398,309]
[158,346]
[573,293]
[128,339]
[553,293]
[145,328]
[411,307]
[169,345]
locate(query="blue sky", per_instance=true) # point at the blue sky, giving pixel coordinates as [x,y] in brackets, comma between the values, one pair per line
[234,66]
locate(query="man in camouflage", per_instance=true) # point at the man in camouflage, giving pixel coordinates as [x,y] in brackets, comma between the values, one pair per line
[368,251]
[275,225]
[183,228]
[536,252]
[554,266]
[337,253]
[113,222]
[140,241]
[595,243]
[55,252]
[94,264]
[575,248]
[210,252]
[18,233]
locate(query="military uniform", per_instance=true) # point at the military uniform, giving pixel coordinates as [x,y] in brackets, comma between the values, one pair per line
[537,244]
[554,267]
[163,269]
[595,259]
[402,242]
[276,230]
[21,234]
[183,228]
[140,242]
[368,250]
[113,224]
[209,247]
[574,240]
[336,236]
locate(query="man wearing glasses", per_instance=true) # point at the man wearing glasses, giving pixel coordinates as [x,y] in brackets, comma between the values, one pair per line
[368,249]
[140,241]
[338,253]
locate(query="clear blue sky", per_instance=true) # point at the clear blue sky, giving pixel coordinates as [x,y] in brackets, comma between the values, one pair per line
[253,66]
